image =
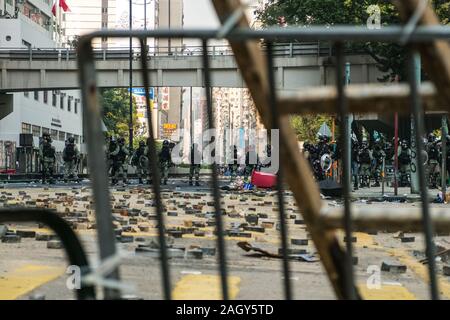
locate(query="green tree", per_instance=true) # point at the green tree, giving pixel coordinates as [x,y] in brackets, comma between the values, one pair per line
[307,126]
[116,114]
[390,58]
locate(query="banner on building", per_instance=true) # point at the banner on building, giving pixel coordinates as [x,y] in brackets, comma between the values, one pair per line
[168,130]
[165,99]
[141,92]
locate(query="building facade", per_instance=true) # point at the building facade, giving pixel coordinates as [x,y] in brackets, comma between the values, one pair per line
[33,113]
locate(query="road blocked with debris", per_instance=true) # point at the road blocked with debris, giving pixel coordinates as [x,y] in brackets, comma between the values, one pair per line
[33,264]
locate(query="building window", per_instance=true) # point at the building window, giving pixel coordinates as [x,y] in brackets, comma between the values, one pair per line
[61,102]
[54,134]
[75,106]
[62,136]
[45,130]
[36,95]
[26,94]
[69,104]
[54,98]
[45,96]
[36,131]
[76,138]
[26,127]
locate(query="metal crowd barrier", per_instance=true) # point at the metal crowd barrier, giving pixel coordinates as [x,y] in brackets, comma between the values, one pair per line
[72,245]
[339,35]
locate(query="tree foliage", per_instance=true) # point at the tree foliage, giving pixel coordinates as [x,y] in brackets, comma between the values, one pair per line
[116,112]
[390,58]
[307,126]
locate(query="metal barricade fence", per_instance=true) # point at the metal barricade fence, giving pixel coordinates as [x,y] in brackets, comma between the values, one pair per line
[341,259]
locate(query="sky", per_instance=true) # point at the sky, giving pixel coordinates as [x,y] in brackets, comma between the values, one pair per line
[199,14]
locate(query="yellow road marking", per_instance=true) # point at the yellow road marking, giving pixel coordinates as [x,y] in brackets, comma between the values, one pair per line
[204,287]
[385,292]
[20,281]
[421,270]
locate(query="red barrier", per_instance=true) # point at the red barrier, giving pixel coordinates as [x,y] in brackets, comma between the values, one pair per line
[263,180]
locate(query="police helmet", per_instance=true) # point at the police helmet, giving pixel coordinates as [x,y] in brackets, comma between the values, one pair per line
[142,143]
[71,139]
[166,143]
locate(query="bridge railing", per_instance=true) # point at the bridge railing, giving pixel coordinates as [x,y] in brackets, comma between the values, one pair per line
[290,49]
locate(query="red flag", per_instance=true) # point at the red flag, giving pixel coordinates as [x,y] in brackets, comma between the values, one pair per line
[54,8]
[63,5]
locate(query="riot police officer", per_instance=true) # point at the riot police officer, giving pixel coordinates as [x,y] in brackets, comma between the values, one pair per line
[165,160]
[314,159]
[365,158]
[141,162]
[433,161]
[112,145]
[47,157]
[404,161]
[120,166]
[71,156]
[378,158]
[251,162]
[234,165]
[355,163]
[195,163]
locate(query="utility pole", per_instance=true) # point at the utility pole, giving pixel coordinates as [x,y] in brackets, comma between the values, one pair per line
[191,127]
[444,132]
[349,119]
[395,153]
[130,124]
[414,150]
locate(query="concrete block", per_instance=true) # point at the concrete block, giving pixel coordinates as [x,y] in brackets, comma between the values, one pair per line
[198,224]
[175,233]
[392,266]
[3,230]
[267,224]
[194,254]
[125,239]
[209,251]
[353,239]
[291,251]
[299,242]
[407,239]
[45,237]
[446,270]
[254,229]
[251,219]
[11,238]
[143,228]
[54,244]
[199,233]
